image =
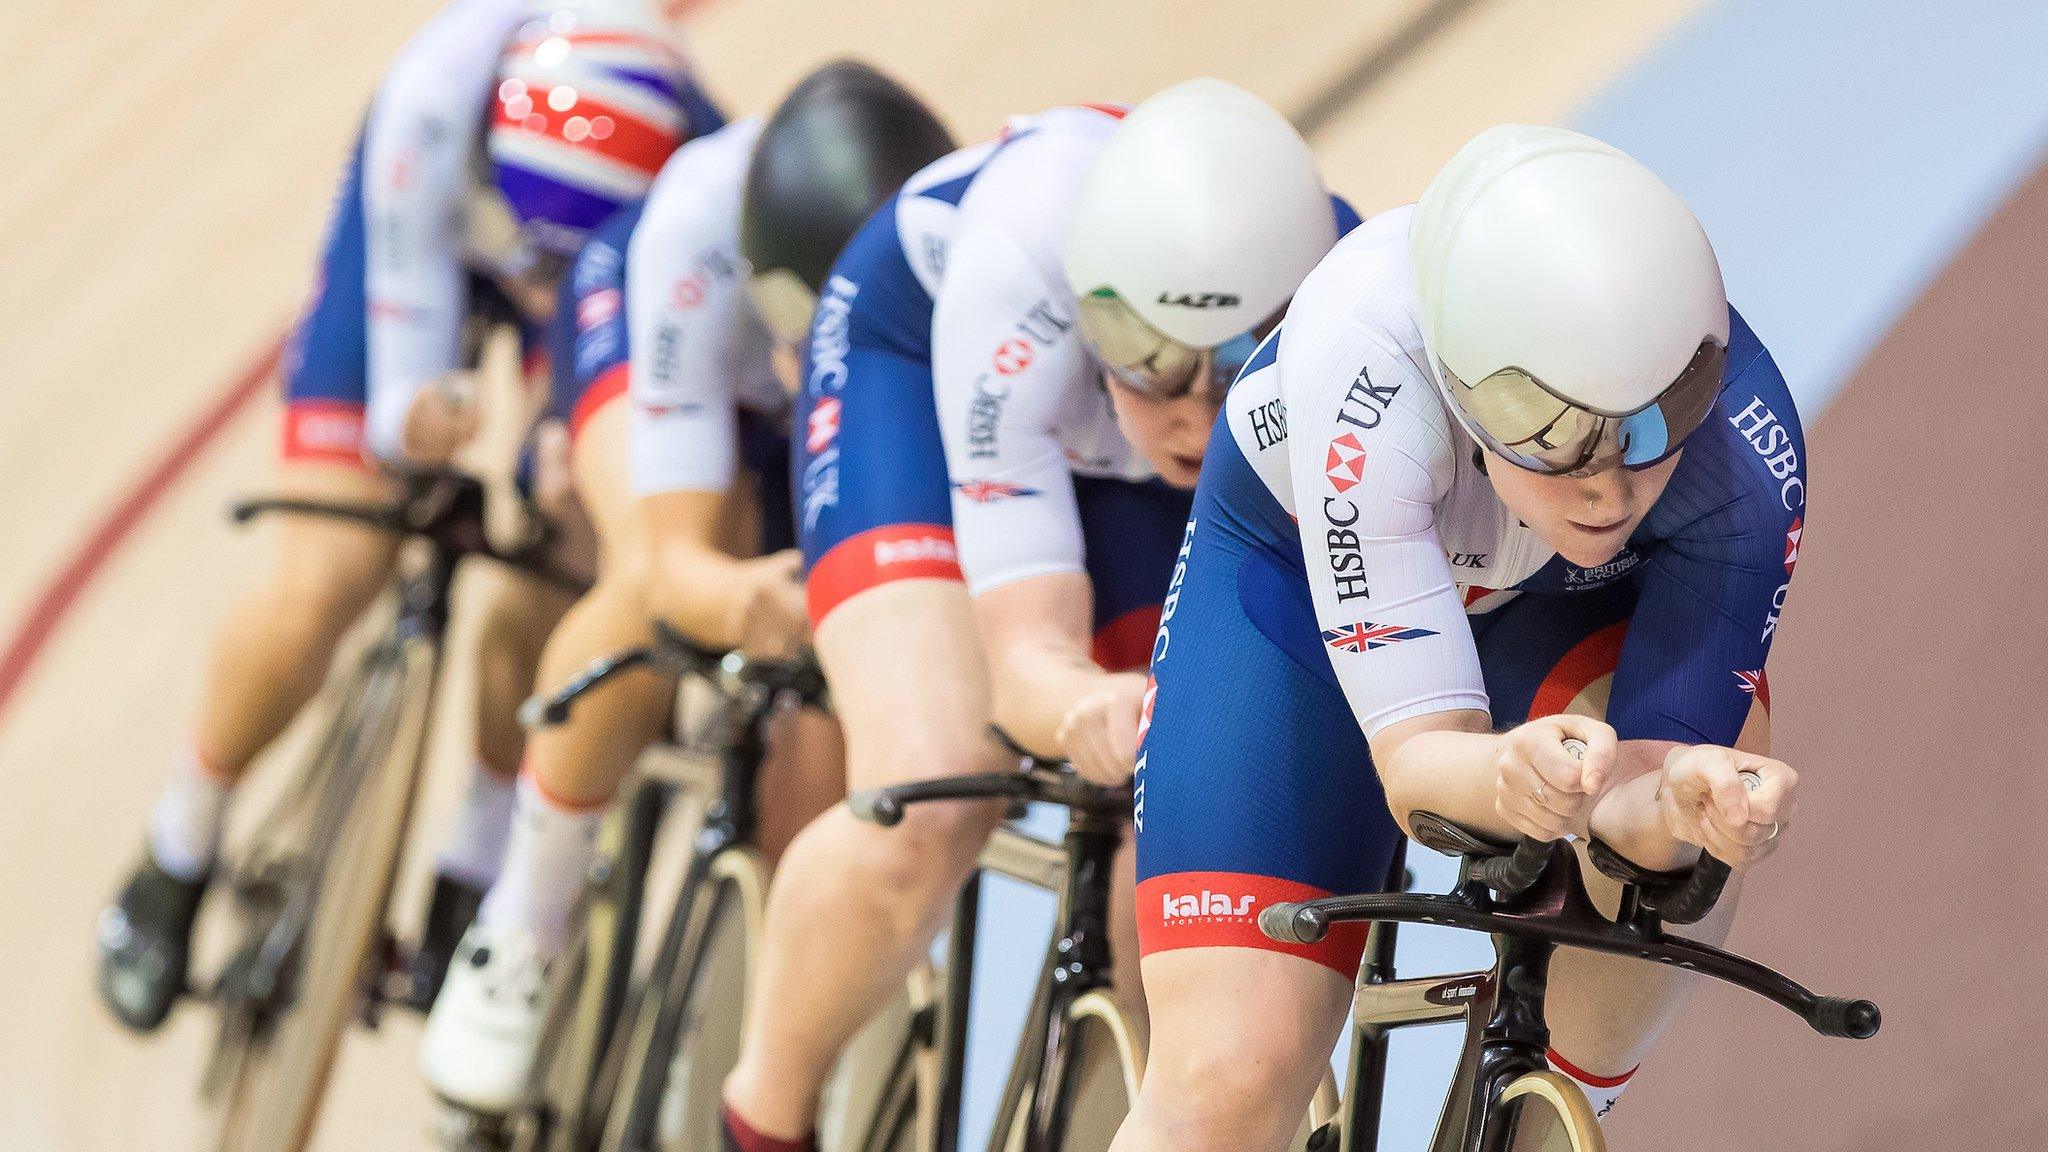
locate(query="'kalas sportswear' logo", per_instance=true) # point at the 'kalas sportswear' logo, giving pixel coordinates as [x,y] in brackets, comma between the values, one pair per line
[1205,905]
[1344,464]
[1365,636]
[917,548]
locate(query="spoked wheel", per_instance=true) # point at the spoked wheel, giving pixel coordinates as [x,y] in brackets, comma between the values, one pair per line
[312,902]
[1551,1114]
[1102,1061]
[685,1035]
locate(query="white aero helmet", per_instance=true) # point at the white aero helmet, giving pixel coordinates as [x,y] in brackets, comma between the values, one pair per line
[1571,304]
[1201,216]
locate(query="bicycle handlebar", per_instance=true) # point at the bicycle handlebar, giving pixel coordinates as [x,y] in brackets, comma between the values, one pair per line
[677,655]
[1041,781]
[438,504]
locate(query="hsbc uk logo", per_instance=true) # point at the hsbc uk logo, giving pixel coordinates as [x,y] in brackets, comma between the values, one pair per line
[1365,636]
[822,425]
[1205,905]
[1344,463]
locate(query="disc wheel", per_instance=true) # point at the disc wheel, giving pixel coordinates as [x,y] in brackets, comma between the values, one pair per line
[1551,1114]
[290,993]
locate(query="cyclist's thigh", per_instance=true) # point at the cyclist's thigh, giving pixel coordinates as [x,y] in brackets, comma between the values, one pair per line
[1131,533]
[875,508]
[1255,784]
[1547,654]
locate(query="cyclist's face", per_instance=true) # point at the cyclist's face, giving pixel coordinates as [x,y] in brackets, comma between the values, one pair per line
[1172,434]
[1586,518]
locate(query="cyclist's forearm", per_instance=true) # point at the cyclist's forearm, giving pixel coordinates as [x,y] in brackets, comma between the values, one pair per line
[1627,820]
[1449,770]
[1036,684]
[702,591]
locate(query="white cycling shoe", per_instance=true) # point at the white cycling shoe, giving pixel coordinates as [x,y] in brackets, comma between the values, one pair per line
[484,1030]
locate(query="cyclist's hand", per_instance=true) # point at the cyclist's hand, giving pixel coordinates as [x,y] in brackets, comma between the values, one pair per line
[443,417]
[1099,734]
[1732,804]
[1545,788]
[770,621]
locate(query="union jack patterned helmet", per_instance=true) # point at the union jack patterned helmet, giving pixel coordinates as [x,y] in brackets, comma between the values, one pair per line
[589,104]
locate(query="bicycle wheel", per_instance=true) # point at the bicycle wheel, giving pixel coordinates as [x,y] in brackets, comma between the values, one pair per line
[1551,1114]
[686,1030]
[570,1088]
[1101,1063]
[289,995]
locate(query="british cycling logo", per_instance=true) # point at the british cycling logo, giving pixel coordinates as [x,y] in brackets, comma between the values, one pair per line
[1344,463]
[1621,565]
[1205,905]
[1755,684]
[1365,636]
[990,491]
[821,427]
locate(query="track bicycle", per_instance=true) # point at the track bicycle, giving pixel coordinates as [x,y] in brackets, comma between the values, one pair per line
[1076,1068]
[640,1063]
[1531,898]
[310,895]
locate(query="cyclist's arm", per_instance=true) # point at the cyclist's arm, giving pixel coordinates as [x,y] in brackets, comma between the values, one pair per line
[423,127]
[1692,667]
[1006,362]
[1394,626]
[693,337]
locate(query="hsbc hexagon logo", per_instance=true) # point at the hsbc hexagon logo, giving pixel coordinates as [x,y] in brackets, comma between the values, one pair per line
[1792,542]
[1345,463]
[1013,356]
[822,426]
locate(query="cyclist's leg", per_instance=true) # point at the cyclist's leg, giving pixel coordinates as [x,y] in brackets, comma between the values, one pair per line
[1254,786]
[853,907]
[1132,535]
[1549,654]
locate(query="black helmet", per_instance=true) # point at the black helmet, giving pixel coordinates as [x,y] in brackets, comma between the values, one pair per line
[842,143]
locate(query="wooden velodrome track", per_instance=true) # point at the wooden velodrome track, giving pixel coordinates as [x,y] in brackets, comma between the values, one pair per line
[166,181]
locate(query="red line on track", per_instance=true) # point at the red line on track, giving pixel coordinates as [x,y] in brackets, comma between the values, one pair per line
[57,598]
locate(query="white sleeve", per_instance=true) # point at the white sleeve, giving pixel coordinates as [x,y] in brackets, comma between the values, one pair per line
[1005,355]
[691,336]
[425,124]
[1370,455]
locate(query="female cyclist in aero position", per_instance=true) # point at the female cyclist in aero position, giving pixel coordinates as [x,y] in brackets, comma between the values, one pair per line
[693,305]
[960,343]
[467,179]
[1510,462]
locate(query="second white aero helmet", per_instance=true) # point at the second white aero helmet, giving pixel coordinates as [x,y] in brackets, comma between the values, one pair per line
[1572,307]
[1200,217]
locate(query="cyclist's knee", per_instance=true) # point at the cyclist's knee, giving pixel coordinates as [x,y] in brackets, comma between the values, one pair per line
[934,847]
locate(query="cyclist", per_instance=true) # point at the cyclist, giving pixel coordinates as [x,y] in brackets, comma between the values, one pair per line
[1532,468]
[948,343]
[468,189]
[690,303]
